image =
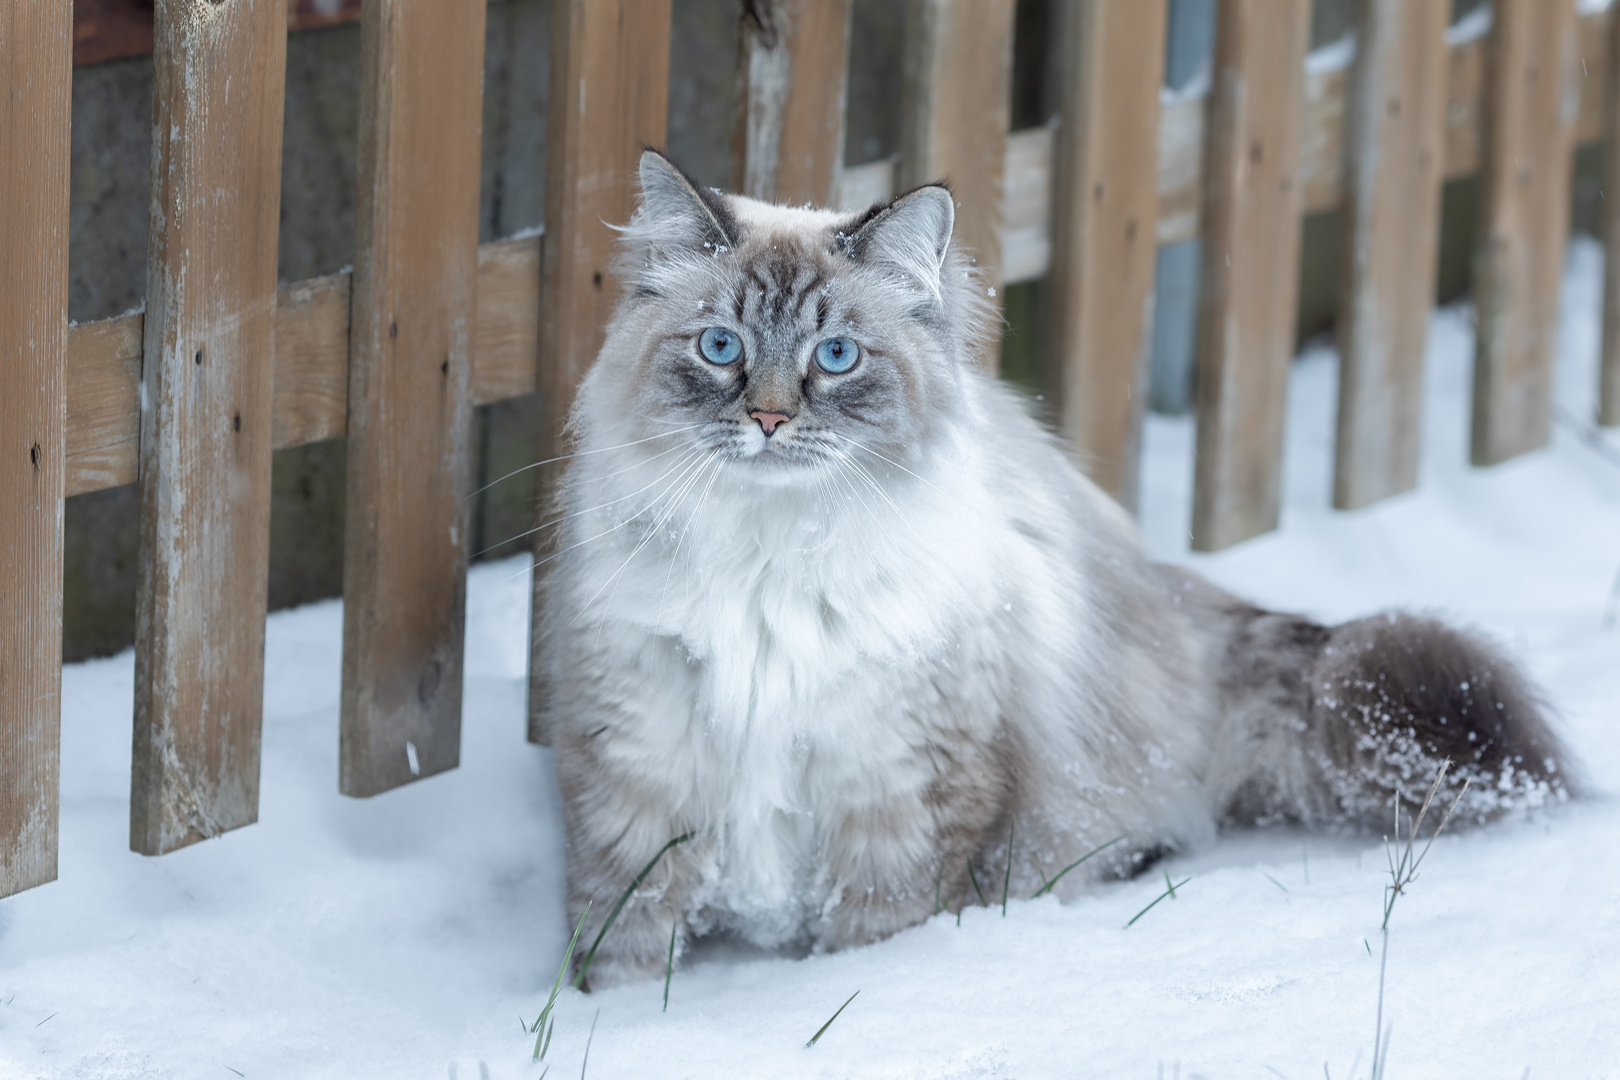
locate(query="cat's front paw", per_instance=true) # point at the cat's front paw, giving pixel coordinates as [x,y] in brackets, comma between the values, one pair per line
[863,915]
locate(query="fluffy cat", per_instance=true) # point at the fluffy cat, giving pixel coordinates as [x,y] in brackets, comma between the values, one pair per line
[824,596]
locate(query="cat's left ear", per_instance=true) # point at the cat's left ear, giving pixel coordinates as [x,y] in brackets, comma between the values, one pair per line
[677,214]
[909,235]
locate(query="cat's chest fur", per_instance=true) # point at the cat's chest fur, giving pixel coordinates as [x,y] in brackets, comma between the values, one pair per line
[786,641]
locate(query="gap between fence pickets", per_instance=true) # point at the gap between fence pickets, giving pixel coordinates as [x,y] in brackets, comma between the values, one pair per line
[103,408]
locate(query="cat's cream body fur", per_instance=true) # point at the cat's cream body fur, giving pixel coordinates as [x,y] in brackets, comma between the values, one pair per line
[852,676]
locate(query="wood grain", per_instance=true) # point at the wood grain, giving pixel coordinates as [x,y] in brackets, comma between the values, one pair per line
[312,361]
[956,115]
[1524,221]
[410,383]
[104,403]
[508,329]
[1608,409]
[1251,222]
[1103,244]
[1392,232]
[114,29]
[789,139]
[311,396]
[609,99]
[209,347]
[36,78]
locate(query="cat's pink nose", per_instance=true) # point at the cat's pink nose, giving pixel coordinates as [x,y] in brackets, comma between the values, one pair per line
[769,420]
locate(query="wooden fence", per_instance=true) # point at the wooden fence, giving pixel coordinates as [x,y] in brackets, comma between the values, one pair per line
[188,398]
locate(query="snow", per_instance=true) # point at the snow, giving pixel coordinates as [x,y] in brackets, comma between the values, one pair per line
[406,935]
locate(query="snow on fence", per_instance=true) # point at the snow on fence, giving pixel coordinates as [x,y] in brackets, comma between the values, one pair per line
[189,398]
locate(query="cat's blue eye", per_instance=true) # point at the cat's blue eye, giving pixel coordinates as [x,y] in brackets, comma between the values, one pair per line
[719,345]
[837,355]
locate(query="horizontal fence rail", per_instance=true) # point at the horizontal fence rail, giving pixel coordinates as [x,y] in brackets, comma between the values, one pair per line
[189,397]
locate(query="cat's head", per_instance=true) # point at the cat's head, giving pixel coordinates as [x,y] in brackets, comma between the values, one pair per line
[787,339]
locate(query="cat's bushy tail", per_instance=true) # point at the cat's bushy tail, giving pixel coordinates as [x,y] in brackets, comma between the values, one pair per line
[1324,724]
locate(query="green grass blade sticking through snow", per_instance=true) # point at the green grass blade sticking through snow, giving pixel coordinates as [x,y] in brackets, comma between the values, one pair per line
[669,965]
[1171,892]
[975,879]
[1006,882]
[1094,851]
[556,988]
[624,898]
[823,1029]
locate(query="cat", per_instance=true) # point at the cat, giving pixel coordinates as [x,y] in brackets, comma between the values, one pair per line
[829,607]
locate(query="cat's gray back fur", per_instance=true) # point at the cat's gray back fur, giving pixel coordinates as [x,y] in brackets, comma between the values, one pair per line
[857,655]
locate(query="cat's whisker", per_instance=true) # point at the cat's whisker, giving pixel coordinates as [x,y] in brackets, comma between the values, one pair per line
[884,457]
[842,465]
[685,485]
[675,555]
[585,453]
[863,473]
[623,524]
[674,504]
[692,452]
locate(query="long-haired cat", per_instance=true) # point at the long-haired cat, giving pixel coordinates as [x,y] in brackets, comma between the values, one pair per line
[825,597]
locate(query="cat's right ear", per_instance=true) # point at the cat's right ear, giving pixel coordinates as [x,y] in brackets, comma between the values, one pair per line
[679,216]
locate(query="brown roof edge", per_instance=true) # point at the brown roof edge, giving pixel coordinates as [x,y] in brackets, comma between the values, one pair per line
[114,29]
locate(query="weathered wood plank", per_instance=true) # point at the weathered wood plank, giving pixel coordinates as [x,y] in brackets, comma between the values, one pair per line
[209,347]
[104,403]
[1392,230]
[312,361]
[113,29]
[1251,222]
[410,402]
[1609,365]
[609,98]
[312,364]
[1103,244]
[1524,220]
[36,80]
[958,108]
[789,138]
[508,329]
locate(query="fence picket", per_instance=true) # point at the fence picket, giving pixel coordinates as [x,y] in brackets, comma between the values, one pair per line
[1103,247]
[958,109]
[36,71]
[1392,226]
[1251,222]
[1524,219]
[412,322]
[209,341]
[1609,370]
[789,138]
[609,98]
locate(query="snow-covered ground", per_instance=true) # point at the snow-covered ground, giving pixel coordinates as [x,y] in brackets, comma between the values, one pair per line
[409,935]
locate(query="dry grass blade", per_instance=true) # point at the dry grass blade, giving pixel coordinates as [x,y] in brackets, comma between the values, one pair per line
[1402,872]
